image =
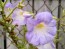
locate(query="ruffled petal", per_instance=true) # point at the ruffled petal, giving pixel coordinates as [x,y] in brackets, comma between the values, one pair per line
[52,30]
[45,38]
[29,35]
[18,22]
[42,40]
[44,16]
[30,24]
[52,23]
[38,38]
[32,38]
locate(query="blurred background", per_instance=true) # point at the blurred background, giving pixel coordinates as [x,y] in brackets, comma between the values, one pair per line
[56,7]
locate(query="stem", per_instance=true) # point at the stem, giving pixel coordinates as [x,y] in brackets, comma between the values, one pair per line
[11,12]
[14,38]
[5,3]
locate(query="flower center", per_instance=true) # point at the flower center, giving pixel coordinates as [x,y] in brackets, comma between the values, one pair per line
[39,26]
[21,13]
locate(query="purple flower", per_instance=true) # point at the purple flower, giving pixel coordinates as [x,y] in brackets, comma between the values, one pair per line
[10,6]
[41,29]
[20,17]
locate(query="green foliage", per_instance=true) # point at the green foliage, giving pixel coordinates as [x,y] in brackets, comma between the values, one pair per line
[1,4]
[21,46]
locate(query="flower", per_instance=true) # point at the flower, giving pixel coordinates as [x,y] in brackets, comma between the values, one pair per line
[10,6]
[41,29]
[19,17]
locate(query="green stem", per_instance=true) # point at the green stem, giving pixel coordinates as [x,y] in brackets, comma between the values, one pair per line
[14,38]
[11,12]
[5,3]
